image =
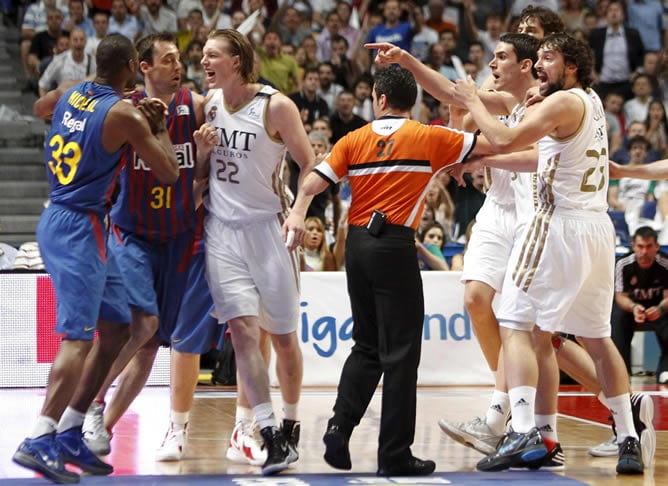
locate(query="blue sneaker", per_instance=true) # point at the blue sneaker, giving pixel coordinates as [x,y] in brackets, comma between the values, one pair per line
[42,455]
[515,450]
[74,450]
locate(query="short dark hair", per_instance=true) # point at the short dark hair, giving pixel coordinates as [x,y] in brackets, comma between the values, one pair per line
[146,45]
[575,52]
[550,21]
[525,47]
[398,85]
[646,232]
[639,139]
[112,55]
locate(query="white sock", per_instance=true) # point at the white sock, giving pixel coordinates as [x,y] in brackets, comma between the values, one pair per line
[179,419]
[602,399]
[71,418]
[547,425]
[244,415]
[497,412]
[620,406]
[522,403]
[264,414]
[290,410]
[44,425]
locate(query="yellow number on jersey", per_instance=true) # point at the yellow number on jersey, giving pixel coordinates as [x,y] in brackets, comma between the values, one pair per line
[162,197]
[68,154]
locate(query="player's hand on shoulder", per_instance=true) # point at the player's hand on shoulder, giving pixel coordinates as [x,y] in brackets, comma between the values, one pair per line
[155,112]
[533,96]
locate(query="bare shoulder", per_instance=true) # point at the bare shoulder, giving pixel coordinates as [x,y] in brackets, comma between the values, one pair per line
[278,103]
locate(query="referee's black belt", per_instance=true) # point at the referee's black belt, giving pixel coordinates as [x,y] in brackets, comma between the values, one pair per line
[389,230]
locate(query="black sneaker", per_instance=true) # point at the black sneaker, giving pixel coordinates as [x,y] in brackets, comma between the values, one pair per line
[291,429]
[277,451]
[554,460]
[642,408]
[43,456]
[515,450]
[337,453]
[412,467]
[630,457]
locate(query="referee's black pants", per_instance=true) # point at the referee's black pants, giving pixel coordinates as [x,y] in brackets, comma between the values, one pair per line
[387,303]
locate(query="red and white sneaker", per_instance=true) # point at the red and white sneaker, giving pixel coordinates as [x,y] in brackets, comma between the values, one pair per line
[173,447]
[244,448]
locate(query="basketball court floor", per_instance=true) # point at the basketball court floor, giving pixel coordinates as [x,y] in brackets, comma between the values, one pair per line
[582,423]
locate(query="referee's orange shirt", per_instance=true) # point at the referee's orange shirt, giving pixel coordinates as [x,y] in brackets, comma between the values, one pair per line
[389,163]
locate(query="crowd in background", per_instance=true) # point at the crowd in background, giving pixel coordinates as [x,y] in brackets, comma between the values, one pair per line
[313,51]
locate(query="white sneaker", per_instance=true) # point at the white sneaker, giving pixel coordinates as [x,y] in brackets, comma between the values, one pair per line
[173,447]
[244,448]
[95,435]
[475,434]
[608,448]
[663,378]
[642,407]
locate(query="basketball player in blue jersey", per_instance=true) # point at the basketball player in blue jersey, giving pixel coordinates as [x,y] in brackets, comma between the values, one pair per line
[153,231]
[89,131]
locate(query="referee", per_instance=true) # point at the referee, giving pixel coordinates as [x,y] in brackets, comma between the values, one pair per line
[389,163]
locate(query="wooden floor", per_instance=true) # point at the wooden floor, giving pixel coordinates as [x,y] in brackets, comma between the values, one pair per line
[142,429]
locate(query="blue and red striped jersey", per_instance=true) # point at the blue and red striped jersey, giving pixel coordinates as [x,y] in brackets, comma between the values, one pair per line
[145,206]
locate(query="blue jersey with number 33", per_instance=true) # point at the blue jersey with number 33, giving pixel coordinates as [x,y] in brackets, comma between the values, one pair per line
[81,172]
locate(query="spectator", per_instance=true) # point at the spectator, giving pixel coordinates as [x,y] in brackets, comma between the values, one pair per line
[34,21]
[344,120]
[71,65]
[316,256]
[573,13]
[489,37]
[423,39]
[157,18]
[62,45]
[477,58]
[121,22]
[275,66]
[630,194]
[349,32]
[657,127]
[324,38]
[328,90]
[429,245]
[393,29]
[618,51]
[213,12]
[362,91]
[437,19]
[346,70]
[310,105]
[288,21]
[636,108]
[101,25]
[44,42]
[647,17]
[622,156]
[76,19]
[612,103]
[641,298]
[452,67]
[439,200]
[193,58]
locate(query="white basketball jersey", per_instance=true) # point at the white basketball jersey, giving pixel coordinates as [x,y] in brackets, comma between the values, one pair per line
[497,181]
[523,184]
[244,180]
[573,173]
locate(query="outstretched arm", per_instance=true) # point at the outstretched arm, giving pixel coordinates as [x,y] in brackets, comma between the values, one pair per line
[655,170]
